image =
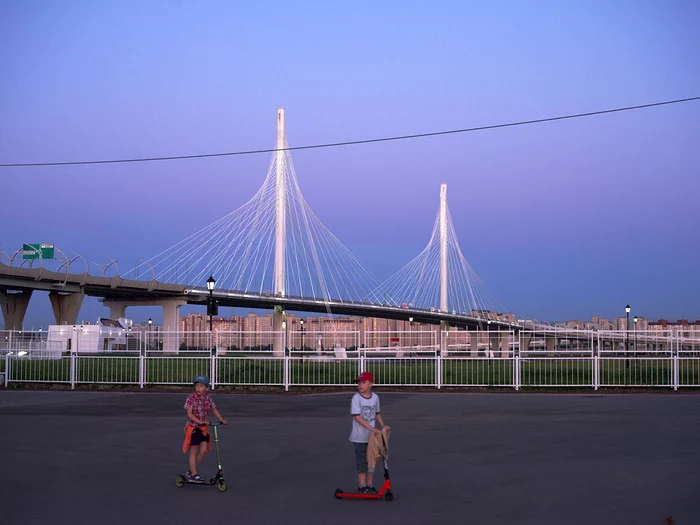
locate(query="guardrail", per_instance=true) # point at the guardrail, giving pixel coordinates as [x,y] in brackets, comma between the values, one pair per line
[465,359]
[671,371]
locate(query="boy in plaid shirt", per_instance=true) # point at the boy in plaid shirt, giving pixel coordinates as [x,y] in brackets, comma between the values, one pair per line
[198,405]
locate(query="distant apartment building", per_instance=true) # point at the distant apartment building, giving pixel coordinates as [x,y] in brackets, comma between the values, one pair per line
[195,328]
[601,323]
[680,328]
[620,323]
[578,325]
[311,333]
[642,324]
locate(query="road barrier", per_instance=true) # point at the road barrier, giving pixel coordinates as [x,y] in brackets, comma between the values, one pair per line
[463,359]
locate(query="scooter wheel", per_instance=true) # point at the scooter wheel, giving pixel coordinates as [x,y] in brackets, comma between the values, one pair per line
[338,492]
[221,485]
[389,496]
[180,481]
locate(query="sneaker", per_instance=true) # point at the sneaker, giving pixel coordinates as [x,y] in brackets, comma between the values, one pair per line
[196,478]
[370,490]
[361,490]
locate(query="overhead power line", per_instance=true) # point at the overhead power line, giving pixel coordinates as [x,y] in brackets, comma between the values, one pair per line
[354,142]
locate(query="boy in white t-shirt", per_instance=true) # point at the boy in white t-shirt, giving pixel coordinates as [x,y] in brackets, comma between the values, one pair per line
[364,409]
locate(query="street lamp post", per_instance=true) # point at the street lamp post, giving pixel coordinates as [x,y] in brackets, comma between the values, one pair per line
[635,334]
[301,322]
[627,335]
[410,333]
[210,286]
[149,336]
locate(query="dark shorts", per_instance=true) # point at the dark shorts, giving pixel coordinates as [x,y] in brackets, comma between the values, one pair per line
[198,438]
[361,457]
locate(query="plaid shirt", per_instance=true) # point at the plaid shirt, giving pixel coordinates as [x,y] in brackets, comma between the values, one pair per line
[200,405]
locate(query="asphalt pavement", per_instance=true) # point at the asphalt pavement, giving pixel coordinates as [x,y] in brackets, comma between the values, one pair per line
[480,458]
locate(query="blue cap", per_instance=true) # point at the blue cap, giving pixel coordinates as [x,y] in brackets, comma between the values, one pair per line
[201,379]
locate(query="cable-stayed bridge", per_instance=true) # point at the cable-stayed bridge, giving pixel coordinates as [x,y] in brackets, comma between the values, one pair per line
[272,252]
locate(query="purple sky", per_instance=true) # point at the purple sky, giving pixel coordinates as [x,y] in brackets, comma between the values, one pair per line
[561,220]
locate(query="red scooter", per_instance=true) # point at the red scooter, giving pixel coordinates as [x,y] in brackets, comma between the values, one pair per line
[384,491]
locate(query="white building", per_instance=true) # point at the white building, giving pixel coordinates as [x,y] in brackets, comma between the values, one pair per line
[107,335]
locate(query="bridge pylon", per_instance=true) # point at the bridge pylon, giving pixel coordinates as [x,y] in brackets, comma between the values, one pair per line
[278,315]
[443,248]
[444,327]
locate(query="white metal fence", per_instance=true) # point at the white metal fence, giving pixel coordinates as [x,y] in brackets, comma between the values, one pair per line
[573,359]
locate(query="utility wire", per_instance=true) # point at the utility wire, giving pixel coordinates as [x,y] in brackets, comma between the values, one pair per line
[354,142]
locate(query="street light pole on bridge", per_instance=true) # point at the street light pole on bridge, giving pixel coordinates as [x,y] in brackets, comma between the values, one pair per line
[302,334]
[210,286]
[627,336]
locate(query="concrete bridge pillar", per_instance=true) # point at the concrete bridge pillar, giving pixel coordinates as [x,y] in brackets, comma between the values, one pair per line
[171,317]
[474,343]
[117,309]
[278,325]
[494,343]
[550,343]
[444,338]
[525,338]
[14,307]
[171,323]
[505,345]
[66,306]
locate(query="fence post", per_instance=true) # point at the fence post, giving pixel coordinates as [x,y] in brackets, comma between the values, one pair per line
[675,371]
[286,360]
[212,361]
[596,373]
[7,368]
[438,370]
[516,370]
[72,370]
[142,368]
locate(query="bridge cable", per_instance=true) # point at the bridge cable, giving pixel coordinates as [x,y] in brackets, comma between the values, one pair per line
[352,142]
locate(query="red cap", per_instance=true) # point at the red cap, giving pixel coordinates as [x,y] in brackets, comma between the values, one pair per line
[365,376]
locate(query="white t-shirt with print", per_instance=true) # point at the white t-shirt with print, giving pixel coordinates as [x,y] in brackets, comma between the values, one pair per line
[368,409]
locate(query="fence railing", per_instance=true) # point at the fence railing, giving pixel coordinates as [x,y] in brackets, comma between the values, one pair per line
[461,359]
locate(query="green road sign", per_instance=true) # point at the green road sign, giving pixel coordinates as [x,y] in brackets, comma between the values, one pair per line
[36,251]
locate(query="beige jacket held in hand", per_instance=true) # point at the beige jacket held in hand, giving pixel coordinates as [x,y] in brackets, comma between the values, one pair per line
[378,445]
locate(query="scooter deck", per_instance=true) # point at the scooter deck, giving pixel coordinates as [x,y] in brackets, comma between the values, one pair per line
[217,481]
[384,492]
[189,481]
